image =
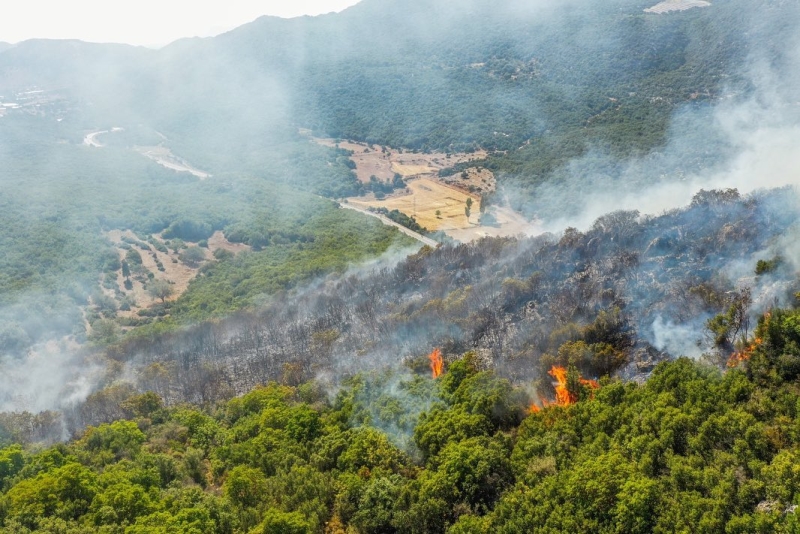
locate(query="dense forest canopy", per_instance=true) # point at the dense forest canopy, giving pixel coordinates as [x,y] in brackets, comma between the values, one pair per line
[693,449]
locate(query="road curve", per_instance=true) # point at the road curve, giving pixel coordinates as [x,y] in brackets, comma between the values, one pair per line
[387,221]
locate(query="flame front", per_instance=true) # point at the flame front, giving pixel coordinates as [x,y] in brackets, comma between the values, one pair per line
[563,396]
[745,354]
[437,363]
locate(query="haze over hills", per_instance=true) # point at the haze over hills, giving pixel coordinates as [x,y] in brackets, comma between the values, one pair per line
[582,109]
[543,84]
[172,236]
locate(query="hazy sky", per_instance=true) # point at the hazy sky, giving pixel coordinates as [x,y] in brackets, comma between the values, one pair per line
[143,22]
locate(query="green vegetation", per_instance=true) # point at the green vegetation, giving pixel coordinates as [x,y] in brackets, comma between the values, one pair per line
[768,266]
[573,91]
[402,219]
[59,197]
[326,240]
[538,87]
[692,449]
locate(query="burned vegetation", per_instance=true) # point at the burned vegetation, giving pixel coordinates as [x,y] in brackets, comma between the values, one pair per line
[629,292]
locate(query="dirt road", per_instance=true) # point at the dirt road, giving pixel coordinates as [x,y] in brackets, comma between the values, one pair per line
[91,139]
[387,221]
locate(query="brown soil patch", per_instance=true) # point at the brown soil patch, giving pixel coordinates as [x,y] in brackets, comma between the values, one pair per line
[509,223]
[175,272]
[475,179]
[217,241]
[427,192]
[412,170]
[383,162]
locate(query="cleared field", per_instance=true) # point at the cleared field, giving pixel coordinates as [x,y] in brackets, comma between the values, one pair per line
[425,198]
[427,193]
[383,162]
[218,241]
[509,223]
[178,274]
[412,170]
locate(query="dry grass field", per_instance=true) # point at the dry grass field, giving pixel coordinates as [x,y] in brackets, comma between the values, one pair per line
[217,241]
[412,170]
[427,196]
[383,162]
[436,202]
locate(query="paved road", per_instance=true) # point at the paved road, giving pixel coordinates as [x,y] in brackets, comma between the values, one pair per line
[387,221]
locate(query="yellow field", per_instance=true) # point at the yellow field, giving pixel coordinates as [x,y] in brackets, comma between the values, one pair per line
[412,170]
[383,162]
[426,197]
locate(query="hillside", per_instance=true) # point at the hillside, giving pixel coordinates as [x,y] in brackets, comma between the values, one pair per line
[554,82]
[196,335]
[690,449]
[614,301]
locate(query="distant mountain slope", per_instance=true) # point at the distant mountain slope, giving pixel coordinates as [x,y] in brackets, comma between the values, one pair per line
[70,63]
[543,84]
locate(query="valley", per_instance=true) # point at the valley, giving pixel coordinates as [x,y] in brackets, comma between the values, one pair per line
[435,202]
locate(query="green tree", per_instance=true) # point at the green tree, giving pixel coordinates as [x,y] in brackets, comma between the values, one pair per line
[104,332]
[192,256]
[277,522]
[132,257]
[245,486]
[160,289]
[65,492]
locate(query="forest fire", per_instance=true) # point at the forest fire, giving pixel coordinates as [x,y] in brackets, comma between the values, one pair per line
[563,396]
[744,355]
[437,363]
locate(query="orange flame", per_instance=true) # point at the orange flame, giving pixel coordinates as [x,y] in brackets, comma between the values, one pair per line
[745,354]
[538,407]
[563,396]
[437,363]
